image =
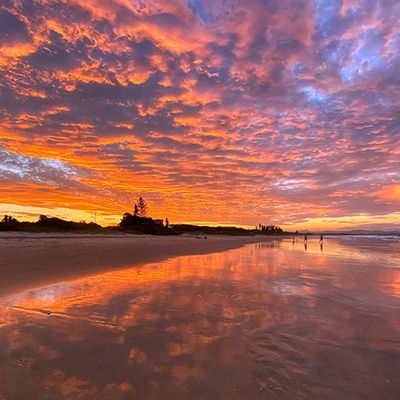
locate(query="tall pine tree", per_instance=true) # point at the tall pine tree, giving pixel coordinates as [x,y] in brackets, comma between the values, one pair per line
[142,207]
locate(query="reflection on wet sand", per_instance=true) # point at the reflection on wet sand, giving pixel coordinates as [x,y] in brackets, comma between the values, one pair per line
[268,321]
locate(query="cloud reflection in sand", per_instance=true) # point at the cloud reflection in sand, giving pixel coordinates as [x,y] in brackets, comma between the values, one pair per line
[265,320]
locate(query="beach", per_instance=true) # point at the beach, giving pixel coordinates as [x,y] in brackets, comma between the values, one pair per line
[186,318]
[29,260]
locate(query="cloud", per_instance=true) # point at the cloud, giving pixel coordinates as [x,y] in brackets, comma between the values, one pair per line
[12,29]
[290,106]
[18,167]
[57,54]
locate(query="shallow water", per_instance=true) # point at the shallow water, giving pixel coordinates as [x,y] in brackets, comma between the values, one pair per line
[273,320]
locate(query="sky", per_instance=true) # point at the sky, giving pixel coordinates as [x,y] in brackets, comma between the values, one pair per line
[215,111]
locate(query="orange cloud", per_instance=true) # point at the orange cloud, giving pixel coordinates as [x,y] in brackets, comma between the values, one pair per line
[221,112]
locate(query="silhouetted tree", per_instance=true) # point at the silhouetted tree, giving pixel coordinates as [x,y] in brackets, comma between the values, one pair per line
[136,210]
[268,229]
[142,207]
[166,223]
[42,218]
[8,219]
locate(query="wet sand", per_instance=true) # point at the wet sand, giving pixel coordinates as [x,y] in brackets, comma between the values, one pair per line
[29,260]
[272,320]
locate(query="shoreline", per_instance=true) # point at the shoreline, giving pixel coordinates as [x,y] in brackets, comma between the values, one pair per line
[32,260]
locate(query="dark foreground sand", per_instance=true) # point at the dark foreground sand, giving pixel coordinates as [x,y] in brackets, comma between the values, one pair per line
[30,260]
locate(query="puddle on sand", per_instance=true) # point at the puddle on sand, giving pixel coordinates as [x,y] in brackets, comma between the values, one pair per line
[267,321]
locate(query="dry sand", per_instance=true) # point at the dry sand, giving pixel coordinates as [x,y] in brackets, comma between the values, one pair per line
[30,260]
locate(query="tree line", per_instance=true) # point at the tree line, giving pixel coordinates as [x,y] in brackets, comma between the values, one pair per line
[138,221]
[268,228]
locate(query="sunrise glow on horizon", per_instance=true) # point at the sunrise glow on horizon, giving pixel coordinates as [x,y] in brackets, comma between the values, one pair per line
[226,112]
